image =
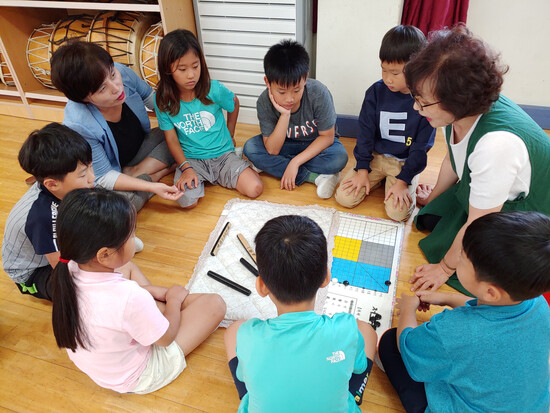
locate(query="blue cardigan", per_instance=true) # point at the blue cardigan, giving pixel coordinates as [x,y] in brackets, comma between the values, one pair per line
[86,119]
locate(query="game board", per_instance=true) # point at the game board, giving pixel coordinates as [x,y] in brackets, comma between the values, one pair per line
[365,268]
[247,218]
[363,255]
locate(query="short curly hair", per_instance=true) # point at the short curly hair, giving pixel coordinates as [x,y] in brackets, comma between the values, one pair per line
[466,73]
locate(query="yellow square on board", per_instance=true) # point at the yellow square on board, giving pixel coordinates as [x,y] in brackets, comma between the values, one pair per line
[346,248]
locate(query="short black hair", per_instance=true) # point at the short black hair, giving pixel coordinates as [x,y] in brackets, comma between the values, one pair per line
[400,43]
[78,69]
[286,63]
[291,251]
[512,251]
[53,152]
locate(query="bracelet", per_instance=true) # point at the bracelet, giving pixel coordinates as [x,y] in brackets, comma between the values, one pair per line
[447,265]
[185,169]
[183,163]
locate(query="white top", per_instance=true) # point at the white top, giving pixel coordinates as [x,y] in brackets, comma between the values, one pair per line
[499,165]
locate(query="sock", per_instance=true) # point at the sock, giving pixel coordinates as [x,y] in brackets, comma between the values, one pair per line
[312,177]
[357,383]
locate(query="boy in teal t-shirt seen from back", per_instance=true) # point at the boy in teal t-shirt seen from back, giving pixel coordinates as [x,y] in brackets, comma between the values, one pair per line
[299,361]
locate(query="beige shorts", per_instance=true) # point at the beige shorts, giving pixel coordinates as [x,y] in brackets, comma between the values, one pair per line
[164,365]
[382,167]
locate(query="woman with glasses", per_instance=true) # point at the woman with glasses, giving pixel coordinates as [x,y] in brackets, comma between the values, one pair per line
[498,158]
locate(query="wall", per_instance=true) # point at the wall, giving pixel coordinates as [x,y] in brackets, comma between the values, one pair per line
[349,35]
[520,31]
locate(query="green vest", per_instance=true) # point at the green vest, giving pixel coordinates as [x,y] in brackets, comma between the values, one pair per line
[453,204]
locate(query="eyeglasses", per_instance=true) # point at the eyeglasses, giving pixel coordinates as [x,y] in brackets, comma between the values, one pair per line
[420,105]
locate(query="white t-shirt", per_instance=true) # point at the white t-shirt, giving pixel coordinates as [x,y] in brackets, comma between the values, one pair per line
[499,165]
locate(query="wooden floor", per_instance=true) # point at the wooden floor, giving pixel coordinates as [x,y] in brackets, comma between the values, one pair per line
[35,376]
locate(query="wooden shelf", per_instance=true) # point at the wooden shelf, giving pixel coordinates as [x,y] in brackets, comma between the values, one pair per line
[8,90]
[78,5]
[18,20]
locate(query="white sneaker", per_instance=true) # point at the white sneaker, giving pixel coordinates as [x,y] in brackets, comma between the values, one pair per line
[139,244]
[326,184]
[239,151]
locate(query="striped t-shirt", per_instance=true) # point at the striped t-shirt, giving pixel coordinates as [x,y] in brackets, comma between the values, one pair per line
[30,233]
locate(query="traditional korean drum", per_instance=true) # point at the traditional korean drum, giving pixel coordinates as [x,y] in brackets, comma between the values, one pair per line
[120,33]
[5,75]
[38,53]
[148,54]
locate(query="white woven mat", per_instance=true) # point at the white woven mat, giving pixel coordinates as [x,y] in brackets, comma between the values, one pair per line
[247,218]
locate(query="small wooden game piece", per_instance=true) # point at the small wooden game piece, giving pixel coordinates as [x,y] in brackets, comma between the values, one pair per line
[220,239]
[247,247]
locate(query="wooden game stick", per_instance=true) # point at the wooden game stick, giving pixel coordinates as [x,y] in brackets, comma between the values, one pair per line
[220,239]
[247,247]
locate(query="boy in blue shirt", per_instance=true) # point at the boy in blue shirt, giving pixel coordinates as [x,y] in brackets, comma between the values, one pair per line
[393,138]
[299,140]
[299,361]
[60,160]
[490,353]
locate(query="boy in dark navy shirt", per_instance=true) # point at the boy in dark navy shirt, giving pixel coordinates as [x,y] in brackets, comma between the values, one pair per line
[60,160]
[393,138]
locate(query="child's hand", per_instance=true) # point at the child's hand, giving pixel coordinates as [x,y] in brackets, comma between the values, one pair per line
[423,191]
[429,276]
[428,297]
[177,293]
[359,181]
[171,193]
[288,180]
[406,303]
[278,107]
[189,178]
[400,192]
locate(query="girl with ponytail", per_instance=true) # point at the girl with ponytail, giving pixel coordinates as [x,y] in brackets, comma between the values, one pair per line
[125,336]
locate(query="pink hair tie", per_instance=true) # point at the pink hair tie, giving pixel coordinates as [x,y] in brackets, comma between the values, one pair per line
[63,260]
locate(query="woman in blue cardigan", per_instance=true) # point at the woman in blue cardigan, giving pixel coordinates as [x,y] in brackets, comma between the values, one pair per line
[106,106]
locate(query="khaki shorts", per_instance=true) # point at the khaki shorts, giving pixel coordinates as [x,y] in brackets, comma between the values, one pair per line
[382,167]
[164,365]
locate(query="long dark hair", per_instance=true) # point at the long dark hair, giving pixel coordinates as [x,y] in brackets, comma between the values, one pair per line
[173,47]
[88,220]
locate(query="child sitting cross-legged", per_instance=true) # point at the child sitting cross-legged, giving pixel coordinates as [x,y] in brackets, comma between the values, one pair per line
[299,361]
[108,320]
[490,353]
[393,138]
[60,160]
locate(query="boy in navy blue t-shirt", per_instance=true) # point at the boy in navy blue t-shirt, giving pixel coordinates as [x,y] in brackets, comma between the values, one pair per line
[393,138]
[60,160]
[490,353]
[299,361]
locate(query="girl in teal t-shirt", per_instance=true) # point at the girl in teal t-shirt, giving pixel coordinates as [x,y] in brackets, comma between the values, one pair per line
[189,108]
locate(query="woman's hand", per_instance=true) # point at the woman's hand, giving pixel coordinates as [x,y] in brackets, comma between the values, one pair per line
[430,276]
[359,181]
[288,180]
[400,192]
[423,191]
[171,193]
[189,178]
